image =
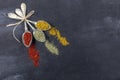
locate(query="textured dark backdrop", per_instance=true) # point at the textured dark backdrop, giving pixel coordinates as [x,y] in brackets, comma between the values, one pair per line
[92,28]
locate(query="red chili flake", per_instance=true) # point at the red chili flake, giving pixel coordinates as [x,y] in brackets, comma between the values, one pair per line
[27,38]
[34,55]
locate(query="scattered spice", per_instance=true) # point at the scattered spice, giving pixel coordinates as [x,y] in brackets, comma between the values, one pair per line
[34,55]
[51,47]
[61,39]
[54,32]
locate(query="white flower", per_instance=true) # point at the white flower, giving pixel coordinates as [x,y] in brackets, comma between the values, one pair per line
[20,14]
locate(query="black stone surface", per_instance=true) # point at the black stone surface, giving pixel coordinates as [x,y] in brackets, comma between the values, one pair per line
[92,28]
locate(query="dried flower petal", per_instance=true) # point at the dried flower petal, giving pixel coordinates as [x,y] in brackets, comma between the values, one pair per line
[39,35]
[27,38]
[52,48]
[19,12]
[43,25]
[13,16]
[23,8]
[30,14]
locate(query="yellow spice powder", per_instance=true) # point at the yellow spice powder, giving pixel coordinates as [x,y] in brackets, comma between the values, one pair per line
[43,25]
[54,32]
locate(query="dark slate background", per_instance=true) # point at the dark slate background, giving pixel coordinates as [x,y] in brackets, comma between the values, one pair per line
[92,28]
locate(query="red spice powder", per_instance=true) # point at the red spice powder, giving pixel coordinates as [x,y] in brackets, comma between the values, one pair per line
[27,38]
[34,55]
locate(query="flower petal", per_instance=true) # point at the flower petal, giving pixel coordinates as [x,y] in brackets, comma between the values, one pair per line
[14,24]
[23,8]
[30,14]
[39,35]
[14,16]
[19,12]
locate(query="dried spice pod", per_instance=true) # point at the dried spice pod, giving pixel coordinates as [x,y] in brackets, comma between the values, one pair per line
[27,38]
[34,55]
[51,47]
[43,25]
[39,35]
